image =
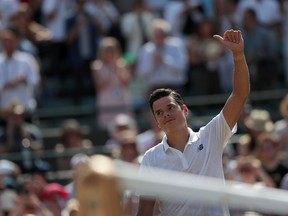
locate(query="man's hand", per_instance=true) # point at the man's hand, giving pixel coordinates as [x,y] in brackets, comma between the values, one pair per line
[232,40]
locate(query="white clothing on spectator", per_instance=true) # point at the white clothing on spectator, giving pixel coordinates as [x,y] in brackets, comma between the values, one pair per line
[57,24]
[131,29]
[172,72]
[21,64]
[267,11]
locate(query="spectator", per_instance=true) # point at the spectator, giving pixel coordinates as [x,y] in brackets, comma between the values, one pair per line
[204,61]
[29,29]
[135,27]
[9,172]
[267,11]
[19,74]
[281,125]
[20,136]
[82,33]
[184,17]
[256,123]
[162,62]
[268,151]
[127,150]
[250,171]
[107,16]
[261,56]
[119,124]
[8,8]
[72,141]
[15,120]
[28,203]
[111,78]
[54,197]
[54,19]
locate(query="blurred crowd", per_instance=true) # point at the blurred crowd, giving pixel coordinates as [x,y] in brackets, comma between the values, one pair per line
[118,52]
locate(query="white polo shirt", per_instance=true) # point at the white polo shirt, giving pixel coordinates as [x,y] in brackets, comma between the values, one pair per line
[201,156]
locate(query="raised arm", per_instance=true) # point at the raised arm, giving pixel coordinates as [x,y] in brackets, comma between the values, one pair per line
[233,40]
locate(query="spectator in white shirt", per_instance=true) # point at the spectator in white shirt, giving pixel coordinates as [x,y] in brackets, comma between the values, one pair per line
[162,61]
[19,74]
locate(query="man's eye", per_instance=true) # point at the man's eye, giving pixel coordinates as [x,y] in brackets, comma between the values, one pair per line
[159,113]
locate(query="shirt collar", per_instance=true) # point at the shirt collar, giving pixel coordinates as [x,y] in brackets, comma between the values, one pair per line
[192,138]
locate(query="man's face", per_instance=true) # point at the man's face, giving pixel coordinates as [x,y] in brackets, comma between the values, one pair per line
[169,115]
[10,43]
[159,37]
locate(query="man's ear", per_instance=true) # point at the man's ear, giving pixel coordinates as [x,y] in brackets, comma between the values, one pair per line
[185,110]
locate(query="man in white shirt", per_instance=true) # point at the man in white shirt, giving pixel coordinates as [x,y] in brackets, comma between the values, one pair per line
[19,74]
[200,152]
[163,61]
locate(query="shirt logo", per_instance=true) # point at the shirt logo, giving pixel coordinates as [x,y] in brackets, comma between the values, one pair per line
[200,147]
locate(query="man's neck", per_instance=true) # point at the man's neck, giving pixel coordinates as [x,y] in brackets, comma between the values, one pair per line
[178,140]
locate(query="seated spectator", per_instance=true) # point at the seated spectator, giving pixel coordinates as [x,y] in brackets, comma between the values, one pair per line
[72,141]
[248,170]
[281,125]
[20,136]
[120,123]
[127,150]
[17,129]
[29,204]
[258,121]
[268,151]
[54,197]
[9,172]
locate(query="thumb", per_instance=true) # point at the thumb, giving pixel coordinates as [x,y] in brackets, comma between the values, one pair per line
[219,38]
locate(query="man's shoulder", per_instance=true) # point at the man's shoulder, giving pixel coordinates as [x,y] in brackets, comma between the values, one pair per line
[154,150]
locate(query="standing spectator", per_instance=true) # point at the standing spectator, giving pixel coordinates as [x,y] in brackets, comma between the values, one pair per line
[135,26]
[162,61]
[267,11]
[183,16]
[204,58]
[54,19]
[29,29]
[261,56]
[106,14]
[7,9]
[19,74]
[257,122]
[111,78]
[81,40]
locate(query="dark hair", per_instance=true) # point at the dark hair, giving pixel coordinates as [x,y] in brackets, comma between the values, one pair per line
[13,30]
[164,92]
